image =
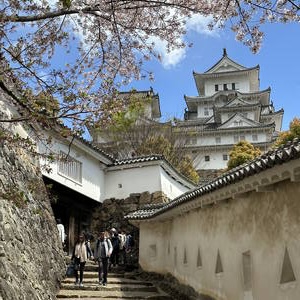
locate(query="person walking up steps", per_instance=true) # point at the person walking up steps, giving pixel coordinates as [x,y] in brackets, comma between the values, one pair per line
[102,253]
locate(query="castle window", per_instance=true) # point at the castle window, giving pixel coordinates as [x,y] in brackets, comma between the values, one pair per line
[70,167]
[206,111]
[192,141]
[216,87]
[207,158]
[225,157]
[225,88]
[233,86]
[238,123]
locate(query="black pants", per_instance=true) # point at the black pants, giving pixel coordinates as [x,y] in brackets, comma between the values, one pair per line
[102,269]
[114,258]
[122,256]
[81,269]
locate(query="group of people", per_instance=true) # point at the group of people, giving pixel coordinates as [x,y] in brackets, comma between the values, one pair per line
[110,250]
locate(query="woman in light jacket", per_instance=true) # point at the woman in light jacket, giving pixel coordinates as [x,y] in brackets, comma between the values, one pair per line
[80,257]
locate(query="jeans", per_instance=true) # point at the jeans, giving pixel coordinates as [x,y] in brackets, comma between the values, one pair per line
[102,269]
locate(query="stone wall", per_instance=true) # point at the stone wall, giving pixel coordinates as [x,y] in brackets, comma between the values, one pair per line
[31,256]
[111,213]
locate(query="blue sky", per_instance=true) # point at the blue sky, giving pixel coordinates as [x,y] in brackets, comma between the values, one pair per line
[279,60]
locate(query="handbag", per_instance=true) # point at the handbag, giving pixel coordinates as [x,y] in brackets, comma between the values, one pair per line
[70,269]
[76,263]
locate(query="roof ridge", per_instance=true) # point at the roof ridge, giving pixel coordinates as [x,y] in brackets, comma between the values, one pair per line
[278,155]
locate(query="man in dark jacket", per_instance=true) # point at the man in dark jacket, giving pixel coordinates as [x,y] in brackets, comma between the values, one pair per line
[102,253]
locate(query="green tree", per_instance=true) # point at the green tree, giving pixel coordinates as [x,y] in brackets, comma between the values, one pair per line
[160,144]
[130,132]
[289,135]
[186,168]
[156,144]
[241,153]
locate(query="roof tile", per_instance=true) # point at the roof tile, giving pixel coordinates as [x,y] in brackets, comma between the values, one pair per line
[280,155]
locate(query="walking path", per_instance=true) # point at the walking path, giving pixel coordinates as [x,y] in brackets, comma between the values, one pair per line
[120,285]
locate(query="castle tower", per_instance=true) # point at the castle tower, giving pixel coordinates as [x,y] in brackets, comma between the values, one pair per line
[229,107]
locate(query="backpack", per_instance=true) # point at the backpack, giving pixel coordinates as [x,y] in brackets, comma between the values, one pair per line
[115,242]
[130,240]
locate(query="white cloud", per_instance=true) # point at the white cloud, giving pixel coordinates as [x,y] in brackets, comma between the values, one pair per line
[197,23]
[168,59]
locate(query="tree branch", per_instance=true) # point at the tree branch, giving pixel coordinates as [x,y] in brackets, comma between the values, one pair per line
[51,15]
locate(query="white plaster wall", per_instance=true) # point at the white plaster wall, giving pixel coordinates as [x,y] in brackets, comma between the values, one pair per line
[170,186]
[200,110]
[278,122]
[7,109]
[92,175]
[148,111]
[216,160]
[262,223]
[242,84]
[121,183]
[229,138]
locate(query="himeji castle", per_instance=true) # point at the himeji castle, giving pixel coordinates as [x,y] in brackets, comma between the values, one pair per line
[229,107]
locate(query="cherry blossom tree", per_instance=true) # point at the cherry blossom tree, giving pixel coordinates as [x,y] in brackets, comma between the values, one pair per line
[78,53]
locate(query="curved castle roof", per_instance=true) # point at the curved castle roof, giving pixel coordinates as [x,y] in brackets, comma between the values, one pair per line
[225,67]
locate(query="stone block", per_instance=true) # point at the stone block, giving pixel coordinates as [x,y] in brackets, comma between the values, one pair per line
[157,197]
[145,198]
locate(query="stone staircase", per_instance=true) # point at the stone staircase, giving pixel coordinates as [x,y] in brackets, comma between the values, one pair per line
[120,285]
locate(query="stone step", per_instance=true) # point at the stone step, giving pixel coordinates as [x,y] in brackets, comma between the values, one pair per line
[91,274]
[90,266]
[108,294]
[115,297]
[112,280]
[121,285]
[109,287]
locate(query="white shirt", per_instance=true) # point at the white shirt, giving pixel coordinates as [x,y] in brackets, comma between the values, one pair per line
[61,232]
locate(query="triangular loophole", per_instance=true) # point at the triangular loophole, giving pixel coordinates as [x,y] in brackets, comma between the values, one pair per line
[199,259]
[184,256]
[247,270]
[219,266]
[287,272]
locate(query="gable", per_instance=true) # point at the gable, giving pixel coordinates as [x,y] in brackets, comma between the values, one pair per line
[225,64]
[237,102]
[238,120]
